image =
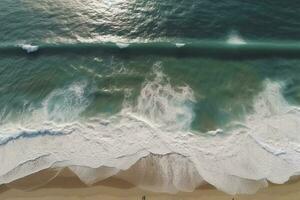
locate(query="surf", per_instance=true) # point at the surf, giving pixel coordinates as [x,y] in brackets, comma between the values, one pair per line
[152,131]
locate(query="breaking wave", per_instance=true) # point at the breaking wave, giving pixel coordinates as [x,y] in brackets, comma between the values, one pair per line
[235,39]
[151,144]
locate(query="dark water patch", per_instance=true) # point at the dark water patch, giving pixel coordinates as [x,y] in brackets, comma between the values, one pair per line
[214,49]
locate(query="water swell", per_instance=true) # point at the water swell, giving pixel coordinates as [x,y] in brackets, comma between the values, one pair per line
[233,48]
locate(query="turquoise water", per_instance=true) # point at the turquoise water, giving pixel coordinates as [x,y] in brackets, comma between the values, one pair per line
[227,49]
[178,92]
[224,89]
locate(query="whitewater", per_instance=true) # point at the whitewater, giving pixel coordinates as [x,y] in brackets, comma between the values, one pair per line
[151,145]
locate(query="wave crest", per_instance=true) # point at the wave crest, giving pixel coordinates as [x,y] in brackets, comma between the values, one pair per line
[265,148]
[165,105]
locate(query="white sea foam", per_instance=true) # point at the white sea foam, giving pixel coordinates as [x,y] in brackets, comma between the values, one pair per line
[158,146]
[164,105]
[63,105]
[29,48]
[180,45]
[235,39]
[122,45]
[215,132]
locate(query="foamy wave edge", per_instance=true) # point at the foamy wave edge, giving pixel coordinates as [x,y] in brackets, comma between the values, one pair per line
[266,147]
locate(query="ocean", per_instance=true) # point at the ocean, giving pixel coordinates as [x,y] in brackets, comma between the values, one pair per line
[206,90]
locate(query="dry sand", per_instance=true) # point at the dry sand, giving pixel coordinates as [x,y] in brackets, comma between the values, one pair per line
[68,187]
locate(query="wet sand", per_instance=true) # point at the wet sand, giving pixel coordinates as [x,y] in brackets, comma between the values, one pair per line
[65,186]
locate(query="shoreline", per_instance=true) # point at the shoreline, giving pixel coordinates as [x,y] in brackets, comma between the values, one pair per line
[66,186]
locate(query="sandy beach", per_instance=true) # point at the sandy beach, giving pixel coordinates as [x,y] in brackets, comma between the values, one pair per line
[66,186]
